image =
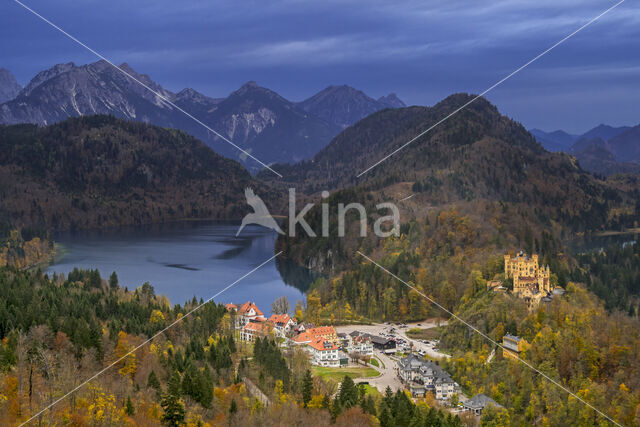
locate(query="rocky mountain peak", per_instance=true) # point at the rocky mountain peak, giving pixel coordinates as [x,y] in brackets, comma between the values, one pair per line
[392,101]
[45,75]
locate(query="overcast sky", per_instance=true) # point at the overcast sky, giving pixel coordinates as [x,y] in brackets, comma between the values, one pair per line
[422,50]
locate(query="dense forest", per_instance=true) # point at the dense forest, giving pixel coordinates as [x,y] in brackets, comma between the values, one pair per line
[56,332]
[613,274]
[24,248]
[481,187]
[99,171]
[574,340]
[478,162]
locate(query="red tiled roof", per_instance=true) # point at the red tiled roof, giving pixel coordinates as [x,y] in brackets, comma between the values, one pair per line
[323,345]
[244,308]
[280,318]
[256,327]
[230,307]
[322,330]
[302,338]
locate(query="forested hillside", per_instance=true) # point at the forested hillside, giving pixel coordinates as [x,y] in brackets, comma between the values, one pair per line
[100,171]
[478,162]
[573,340]
[483,187]
[56,332]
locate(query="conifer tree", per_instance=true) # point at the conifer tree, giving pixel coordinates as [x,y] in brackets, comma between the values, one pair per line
[129,409]
[307,388]
[172,404]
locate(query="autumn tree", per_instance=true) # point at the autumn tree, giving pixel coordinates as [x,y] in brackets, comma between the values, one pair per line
[281,305]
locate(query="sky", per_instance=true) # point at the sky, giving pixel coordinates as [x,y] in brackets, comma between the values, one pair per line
[421,50]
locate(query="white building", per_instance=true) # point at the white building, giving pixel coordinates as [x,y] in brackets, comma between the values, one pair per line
[324,353]
[246,313]
[421,376]
[254,329]
[361,345]
[282,323]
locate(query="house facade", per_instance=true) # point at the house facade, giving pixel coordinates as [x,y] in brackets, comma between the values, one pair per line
[513,346]
[421,376]
[283,324]
[247,312]
[252,330]
[324,353]
[361,345]
[478,402]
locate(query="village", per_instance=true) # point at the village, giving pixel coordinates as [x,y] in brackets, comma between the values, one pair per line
[402,363]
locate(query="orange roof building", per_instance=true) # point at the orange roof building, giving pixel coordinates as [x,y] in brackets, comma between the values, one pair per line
[254,329]
[321,345]
[246,313]
[249,308]
[327,333]
[324,353]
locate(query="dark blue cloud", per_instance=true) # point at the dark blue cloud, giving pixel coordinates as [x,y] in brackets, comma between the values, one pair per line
[421,50]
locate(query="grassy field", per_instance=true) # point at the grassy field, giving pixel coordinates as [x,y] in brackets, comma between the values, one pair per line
[339,373]
[369,389]
[424,334]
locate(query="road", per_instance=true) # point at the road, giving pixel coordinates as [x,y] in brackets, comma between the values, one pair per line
[417,345]
[388,374]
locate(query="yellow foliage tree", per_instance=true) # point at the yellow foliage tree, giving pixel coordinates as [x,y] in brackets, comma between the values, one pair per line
[102,409]
[127,366]
[157,317]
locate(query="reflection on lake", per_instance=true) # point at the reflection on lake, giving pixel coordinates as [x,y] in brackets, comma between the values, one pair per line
[597,242]
[187,259]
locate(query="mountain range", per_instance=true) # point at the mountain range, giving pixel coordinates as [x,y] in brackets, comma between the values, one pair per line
[260,121]
[604,150]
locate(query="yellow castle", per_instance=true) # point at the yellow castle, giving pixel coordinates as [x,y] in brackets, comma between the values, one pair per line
[529,279]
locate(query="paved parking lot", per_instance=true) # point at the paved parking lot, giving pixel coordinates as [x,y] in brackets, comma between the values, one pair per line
[388,375]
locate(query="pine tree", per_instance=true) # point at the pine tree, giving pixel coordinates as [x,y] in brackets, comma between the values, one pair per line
[307,388]
[326,402]
[233,408]
[385,417]
[129,408]
[348,395]
[172,404]
[368,405]
[152,380]
[113,280]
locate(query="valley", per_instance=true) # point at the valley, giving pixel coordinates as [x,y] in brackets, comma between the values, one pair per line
[156,211]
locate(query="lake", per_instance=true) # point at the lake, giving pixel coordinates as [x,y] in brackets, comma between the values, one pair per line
[186,259]
[598,242]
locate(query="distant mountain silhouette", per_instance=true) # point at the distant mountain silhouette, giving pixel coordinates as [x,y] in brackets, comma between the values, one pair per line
[343,105]
[604,150]
[258,120]
[558,140]
[9,87]
[605,132]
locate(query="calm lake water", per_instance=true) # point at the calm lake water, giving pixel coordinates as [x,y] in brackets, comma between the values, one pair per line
[187,259]
[594,243]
